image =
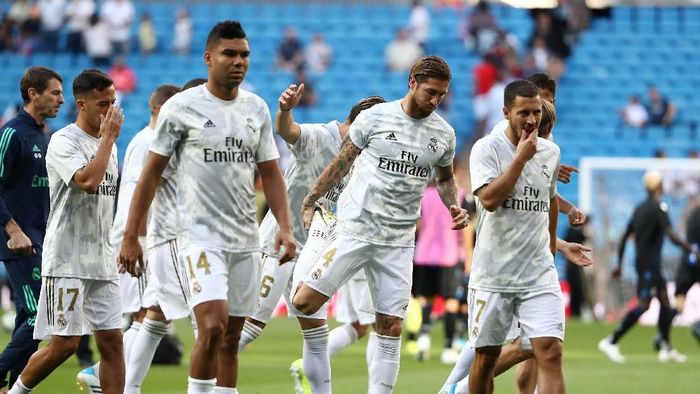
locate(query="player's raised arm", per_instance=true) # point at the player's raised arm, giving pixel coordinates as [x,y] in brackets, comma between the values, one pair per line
[285,125]
[331,176]
[449,194]
[131,251]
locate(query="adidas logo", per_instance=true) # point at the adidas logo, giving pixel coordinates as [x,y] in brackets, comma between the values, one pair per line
[36,149]
[390,137]
[209,124]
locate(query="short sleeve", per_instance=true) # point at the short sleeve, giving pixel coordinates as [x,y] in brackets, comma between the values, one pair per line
[483,165]
[267,149]
[169,130]
[361,129]
[662,216]
[305,146]
[554,176]
[448,157]
[65,157]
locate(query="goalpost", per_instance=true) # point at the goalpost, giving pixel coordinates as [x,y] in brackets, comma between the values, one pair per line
[609,189]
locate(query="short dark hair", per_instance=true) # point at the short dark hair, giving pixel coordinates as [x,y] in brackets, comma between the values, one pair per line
[89,80]
[194,82]
[367,102]
[37,77]
[544,81]
[519,88]
[162,93]
[227,30]
[430,67]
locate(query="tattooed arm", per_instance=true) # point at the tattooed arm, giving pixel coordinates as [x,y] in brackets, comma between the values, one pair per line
[447,189]
[331,176]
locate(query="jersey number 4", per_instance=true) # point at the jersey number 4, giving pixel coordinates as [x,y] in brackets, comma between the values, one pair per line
[202,263]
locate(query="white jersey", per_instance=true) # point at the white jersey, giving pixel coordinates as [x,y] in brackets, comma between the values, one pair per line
[134,160]
[77,233]
[217,144]
[512,252]
[381,202]
[316,146]
[163,218]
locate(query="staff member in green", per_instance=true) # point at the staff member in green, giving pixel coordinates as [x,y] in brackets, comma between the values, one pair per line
[24,207]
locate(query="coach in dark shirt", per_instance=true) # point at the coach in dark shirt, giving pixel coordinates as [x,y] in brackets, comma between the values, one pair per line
[649,225]
[24,207]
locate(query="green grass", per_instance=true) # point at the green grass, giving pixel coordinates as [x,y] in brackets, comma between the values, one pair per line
[264,365]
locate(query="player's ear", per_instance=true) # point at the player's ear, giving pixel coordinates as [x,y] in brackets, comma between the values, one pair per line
[505,112]
[207,58]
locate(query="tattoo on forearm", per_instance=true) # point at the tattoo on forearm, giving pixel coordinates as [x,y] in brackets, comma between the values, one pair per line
[447,189]
[335,172]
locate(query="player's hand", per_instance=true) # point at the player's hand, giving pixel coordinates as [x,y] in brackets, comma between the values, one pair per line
[131,257]
[576,253]
[527,146]
[290,98]
[285,238]
[576,216]
[20,243]
[460,217]
[565,172]
[617,272]
[111,122]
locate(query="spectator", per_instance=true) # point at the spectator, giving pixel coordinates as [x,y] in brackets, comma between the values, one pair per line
[493,108]
[661,110]
[52,14]
[478,32]
[540,54]
[553,31]
[309,98]
[485,74]
[290,55]
[147,35]
[6,36]
[78,13]
[182,37]
[19,11]
[402,52]
[118,14]
[123,78]
[319,55]
[97,42]
[419,23]
[634,114]
[29,32]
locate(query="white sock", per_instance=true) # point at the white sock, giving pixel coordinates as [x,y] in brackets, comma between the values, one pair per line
[386,364]
[463,365]
[128,338]
[317,365]
[144,347]
[340,338]
[249,333]
[463,386]
[225,390]
[200,386]
[371,349]
[19,388]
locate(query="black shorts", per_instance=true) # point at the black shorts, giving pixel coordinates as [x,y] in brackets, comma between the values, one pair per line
[429,281]
[686,276]
[649,283]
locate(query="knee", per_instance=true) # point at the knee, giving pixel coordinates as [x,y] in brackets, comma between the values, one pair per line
[551,355]
[65,347]
[211,333]
[361,329]
[389,325]
[303,301]
[486,357]
[230,342]
[110,344]
[643,305]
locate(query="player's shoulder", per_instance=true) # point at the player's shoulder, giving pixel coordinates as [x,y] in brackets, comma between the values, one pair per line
[548,145]
[440,122]
[70,131]
[320,128]
[250,98]
[143,137]
[487,142]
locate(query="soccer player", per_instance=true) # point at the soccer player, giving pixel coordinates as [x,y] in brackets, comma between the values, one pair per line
[649,224]
[313,146]
[80,287]
[513,175]
[24,207]
[133,289]
[219,134]
[394,147]
[689,270]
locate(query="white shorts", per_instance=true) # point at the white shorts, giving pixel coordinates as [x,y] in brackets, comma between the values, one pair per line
[515,333]
[75,307]
[167,286]
[492,315]
[276,281]
[389,271]
[219,275]
[322,236]
[132,290]
[354,303]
